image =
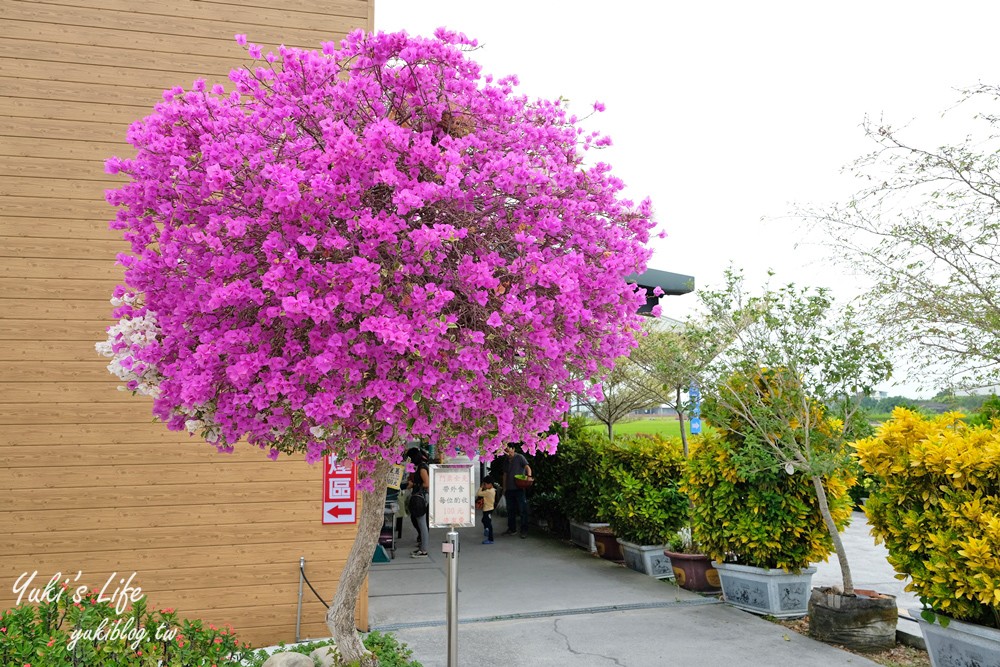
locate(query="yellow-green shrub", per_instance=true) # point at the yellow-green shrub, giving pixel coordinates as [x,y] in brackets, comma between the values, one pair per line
[937,508]
[764,518]
[639,494]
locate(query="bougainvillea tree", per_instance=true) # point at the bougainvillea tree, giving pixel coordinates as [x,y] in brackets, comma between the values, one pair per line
[363,245]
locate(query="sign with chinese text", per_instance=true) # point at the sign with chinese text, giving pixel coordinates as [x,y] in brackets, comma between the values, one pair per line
[452,495]
[398,476]
[340,490]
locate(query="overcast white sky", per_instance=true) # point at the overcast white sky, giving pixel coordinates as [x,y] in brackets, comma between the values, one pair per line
[728,113]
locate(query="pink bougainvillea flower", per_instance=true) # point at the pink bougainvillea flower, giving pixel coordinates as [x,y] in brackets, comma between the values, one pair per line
[365,245]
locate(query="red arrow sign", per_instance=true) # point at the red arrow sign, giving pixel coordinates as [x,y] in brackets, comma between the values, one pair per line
[338,511]
[345,512]
[340,483]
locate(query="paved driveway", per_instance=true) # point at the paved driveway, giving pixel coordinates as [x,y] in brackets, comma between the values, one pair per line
[541,601]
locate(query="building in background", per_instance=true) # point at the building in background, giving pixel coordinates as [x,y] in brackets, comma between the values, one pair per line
[90,483]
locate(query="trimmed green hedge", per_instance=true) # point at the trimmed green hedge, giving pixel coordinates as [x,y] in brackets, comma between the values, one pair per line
[573,474]
[640,495]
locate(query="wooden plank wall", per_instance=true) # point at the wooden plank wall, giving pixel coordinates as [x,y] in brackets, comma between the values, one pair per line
[88,482]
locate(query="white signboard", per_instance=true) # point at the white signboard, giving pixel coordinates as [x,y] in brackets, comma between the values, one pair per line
[452,495]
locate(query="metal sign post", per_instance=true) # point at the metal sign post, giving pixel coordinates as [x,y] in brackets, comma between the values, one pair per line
[450,549]
[452,505]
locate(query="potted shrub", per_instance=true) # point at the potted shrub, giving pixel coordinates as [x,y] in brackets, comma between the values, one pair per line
[763,527]
[573,474]
[693,568]
[937,509]
[785,393]
[543,509]
[641,499]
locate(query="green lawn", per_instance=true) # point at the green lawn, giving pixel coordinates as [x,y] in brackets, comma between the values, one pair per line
[668,427]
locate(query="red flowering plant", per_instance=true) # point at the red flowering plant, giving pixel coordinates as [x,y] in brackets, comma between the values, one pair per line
[368,244]
[61,631]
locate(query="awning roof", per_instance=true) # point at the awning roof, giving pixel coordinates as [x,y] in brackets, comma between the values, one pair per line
[673,284]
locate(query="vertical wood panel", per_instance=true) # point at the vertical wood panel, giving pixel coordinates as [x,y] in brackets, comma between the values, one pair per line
[93,484]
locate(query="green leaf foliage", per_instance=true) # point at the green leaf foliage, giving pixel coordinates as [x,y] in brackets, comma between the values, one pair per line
[989,412]
[937,509]
[573,473]
[923,229]
[389,651]
[765,517]
[640,492]
[59,631]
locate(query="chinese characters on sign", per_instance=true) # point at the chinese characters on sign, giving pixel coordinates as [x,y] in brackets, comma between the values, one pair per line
[397,477]
[340,495]
[452,492]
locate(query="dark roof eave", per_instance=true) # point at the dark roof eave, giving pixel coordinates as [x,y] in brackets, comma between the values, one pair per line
[673,284]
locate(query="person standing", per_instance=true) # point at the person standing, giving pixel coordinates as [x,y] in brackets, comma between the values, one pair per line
[417,507]
[517,500]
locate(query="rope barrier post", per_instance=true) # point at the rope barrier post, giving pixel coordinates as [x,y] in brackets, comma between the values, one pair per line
[298,614]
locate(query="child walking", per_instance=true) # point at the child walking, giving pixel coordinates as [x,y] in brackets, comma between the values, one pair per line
[489,495]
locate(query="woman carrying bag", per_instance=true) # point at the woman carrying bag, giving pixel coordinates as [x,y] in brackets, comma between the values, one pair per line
[417,505]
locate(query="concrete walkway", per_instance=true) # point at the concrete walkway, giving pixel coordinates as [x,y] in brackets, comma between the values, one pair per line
[541,601]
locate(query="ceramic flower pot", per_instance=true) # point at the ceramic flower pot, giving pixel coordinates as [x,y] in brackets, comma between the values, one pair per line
[648,559]
[607,544]
[960,643]
[769,592]
[580,535]
[694,572]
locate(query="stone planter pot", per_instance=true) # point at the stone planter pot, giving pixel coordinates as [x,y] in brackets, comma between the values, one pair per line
[863,622]
[580,535]
[960,644]
[694,572]
[777,593]
[651,560]
[607,544]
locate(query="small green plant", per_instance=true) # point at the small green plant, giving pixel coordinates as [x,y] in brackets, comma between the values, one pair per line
[937,509]
[682,542]
[640,495]
[91,633]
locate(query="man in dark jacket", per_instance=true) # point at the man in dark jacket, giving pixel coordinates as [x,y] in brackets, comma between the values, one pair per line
[517,501]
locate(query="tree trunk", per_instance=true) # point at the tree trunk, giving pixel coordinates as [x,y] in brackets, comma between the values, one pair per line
[611,435]
[838,545]
[340,616]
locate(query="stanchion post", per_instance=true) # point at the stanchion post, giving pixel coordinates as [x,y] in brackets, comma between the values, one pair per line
[298,614]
